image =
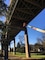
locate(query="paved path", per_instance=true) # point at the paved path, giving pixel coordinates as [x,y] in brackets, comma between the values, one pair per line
[19,58]
[14,58]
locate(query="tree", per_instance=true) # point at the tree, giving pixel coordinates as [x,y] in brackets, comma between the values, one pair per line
[18,45]
[38,47]
[20,48]
[21,40]
[42,41]
[1,24]
[4,29]
[3,8]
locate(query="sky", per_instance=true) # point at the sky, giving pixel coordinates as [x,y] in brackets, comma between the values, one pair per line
[37,21]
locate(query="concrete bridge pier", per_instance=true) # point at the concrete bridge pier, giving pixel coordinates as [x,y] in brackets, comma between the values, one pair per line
[2,48]
[26,44]
[6,52]
[14,46]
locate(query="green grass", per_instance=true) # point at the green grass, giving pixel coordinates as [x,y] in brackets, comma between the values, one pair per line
[37,56]
[20,54]
[33,55]
[17,54]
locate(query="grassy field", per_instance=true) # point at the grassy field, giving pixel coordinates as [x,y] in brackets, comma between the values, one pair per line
[33,55]
[37,56]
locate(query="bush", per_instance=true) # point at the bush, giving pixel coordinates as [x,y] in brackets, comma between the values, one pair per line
[41,53]
[21,50]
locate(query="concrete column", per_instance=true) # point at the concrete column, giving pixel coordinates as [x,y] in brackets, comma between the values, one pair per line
[2,48]
[26,44]
[14,47]
[9,47]
[6,52]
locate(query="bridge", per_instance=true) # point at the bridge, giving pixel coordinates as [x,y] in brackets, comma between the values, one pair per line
[20,13]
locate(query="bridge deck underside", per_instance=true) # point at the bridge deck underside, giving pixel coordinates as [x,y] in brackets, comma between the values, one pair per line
[25,11]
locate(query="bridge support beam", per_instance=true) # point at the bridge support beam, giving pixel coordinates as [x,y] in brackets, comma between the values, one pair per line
[26,44]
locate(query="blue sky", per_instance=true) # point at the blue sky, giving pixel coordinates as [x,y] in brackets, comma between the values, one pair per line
[7,2]
[38,21]
[2,18]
